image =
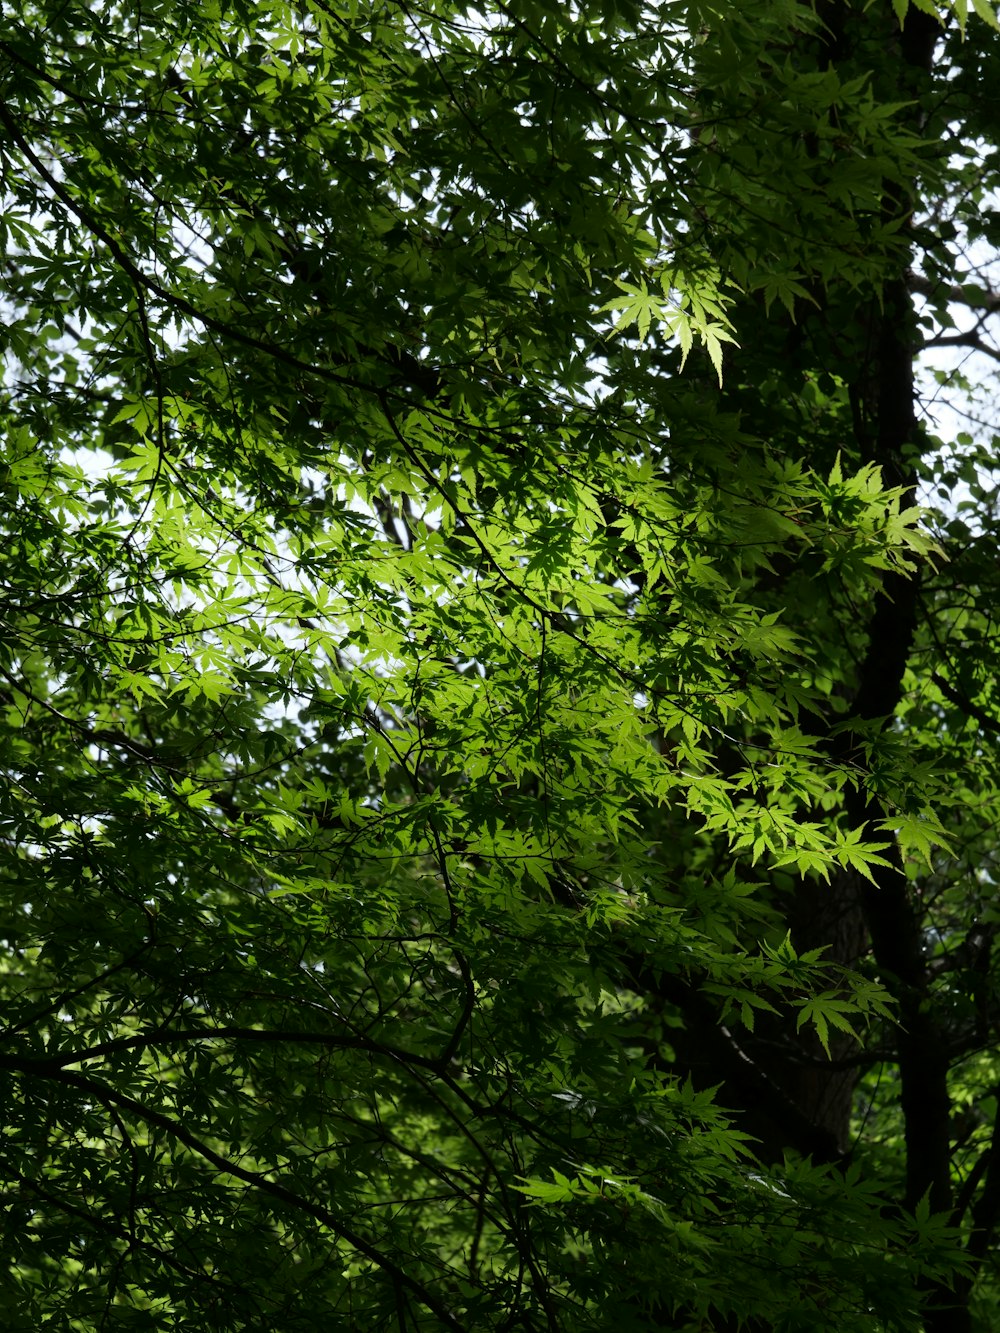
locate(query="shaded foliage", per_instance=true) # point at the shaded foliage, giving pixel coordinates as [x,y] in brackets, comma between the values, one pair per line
[500,771]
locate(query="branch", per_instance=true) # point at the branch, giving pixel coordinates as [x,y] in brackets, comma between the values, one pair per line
[989,300]
[99,1223]
[266,1183]
[152,1040]
[985,720]
[964,340]
[144,282]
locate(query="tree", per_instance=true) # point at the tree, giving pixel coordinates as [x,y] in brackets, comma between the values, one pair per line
[501,773]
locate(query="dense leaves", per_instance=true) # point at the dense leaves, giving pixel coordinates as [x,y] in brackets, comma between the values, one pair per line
[500,803]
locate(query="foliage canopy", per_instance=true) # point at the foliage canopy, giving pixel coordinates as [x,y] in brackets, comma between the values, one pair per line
[500,772]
